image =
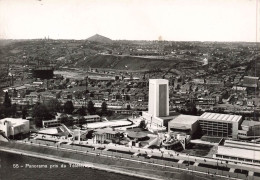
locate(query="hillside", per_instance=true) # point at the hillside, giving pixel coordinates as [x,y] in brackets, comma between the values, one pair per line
[100,39]
[125,62]
[123,55]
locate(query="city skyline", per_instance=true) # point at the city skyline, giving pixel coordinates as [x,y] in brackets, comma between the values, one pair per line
[173,20]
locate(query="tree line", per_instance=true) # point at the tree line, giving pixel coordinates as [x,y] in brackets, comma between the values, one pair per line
[47,111]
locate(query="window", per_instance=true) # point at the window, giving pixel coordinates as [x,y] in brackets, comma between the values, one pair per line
[248,160]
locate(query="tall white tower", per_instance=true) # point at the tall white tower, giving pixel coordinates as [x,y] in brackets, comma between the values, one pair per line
[158,97]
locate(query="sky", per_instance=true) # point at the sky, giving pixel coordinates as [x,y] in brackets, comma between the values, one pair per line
[175,20]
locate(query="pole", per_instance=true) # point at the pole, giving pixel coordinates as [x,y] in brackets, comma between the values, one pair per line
[217,166]
[188,161]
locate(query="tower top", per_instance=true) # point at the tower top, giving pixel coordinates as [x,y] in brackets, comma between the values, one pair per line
[159,81]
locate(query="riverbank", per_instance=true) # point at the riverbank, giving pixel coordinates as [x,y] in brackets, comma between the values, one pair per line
[107,162]
[75,163]
[51,170]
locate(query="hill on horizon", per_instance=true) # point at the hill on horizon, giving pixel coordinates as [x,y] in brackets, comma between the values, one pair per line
[100,38]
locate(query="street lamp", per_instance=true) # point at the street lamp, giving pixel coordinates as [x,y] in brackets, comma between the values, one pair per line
[188,160]
[217,166]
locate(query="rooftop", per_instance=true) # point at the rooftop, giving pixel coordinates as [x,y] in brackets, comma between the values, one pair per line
[251,77]
[220,117]
[250,81]
[250,123]
[185,119]
[239,88]
[14,121]
[115,123]
[106,130]
[92,116]
[158,81]
[136,134]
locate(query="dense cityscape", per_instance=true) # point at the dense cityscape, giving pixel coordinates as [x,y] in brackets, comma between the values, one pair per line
[186,106]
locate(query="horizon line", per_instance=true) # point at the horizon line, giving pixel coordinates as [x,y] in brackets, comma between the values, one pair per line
[28,39]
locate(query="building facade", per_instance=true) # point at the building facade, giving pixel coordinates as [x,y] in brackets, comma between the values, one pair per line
[249,129]
[158,97]
[187,124]
[221,125]
[14,126]
[238,151]
[157,116]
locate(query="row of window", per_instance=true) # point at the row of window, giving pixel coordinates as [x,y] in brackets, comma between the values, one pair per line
[215,123]
[219,134]
[217,131]
[215,127]
[58,122]
[239,159]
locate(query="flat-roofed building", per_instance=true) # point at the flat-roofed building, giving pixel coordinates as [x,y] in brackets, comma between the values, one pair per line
[184,123]
[14,126]
[239,89]
[75,120]
[101,135]
[32,98]
[239,151]
[251,82]
[198,81]
[249,129]
[100,78]
[221,125]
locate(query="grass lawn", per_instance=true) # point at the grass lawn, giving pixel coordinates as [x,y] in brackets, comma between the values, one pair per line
[197,149]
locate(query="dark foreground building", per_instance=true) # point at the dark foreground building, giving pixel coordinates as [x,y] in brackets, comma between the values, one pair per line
[43,72]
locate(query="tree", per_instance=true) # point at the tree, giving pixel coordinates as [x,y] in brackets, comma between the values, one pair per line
[82,111]
[54,106]
[24,113]
[65,120]
[104,108]
[191,108]
[13,110]
[8,109]
[108,84]
[67,80]
[40,112]
[91,108]
[81,121]
[68,107]
[7,101]
[2,112]
[142,124]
